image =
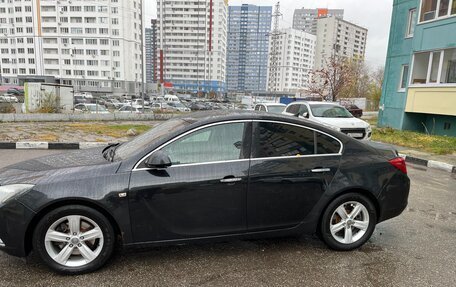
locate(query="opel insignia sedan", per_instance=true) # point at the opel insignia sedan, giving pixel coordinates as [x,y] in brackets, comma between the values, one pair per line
[200,177]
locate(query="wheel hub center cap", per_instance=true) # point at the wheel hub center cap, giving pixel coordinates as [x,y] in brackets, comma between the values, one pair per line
[350,222]
[75,240]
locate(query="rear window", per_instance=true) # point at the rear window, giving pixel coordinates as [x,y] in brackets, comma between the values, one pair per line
[326,144]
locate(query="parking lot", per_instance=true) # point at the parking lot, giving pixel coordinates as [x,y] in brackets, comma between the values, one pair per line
[415,249]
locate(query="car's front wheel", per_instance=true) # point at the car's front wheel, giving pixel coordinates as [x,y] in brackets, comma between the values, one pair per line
[348,222]
[74,239]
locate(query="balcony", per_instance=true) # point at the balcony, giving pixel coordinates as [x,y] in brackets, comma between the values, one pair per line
[432,100]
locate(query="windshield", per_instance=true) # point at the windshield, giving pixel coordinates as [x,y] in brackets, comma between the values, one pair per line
[93,108]
[329,111]
[276,109]
[139,143]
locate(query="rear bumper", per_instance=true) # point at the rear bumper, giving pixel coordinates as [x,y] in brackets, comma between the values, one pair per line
[394,197]
[14,218]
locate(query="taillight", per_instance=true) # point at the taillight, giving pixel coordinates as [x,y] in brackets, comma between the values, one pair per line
[399,163]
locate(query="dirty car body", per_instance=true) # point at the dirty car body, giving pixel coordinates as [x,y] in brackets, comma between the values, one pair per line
[251,190]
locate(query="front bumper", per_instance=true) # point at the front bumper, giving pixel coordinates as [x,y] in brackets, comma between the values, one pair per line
[358,133]
[14,219]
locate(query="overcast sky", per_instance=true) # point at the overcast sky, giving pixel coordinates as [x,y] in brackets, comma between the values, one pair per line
[375,15]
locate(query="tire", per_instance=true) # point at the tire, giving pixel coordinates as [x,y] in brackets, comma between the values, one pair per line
[335,231]
[59,240]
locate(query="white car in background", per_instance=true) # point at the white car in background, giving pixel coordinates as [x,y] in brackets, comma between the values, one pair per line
[134,109]
[332,115]
[275,108]
[90,109]
[178,106]
[8,98]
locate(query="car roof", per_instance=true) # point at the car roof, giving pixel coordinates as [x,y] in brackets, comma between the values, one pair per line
[212,116]
[315,103]
[272,104]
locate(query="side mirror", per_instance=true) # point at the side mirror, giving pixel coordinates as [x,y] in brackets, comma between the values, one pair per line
[158,159]
[305,115]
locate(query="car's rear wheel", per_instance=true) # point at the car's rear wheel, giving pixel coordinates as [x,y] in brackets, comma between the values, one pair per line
[348,222]
[74,239]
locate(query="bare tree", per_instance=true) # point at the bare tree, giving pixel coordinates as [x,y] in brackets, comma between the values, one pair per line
[329,81]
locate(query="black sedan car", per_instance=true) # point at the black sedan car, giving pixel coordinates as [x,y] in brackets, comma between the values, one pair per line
[200,177]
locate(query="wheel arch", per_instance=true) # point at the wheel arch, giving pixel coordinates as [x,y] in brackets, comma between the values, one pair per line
[76,201]
[358,190]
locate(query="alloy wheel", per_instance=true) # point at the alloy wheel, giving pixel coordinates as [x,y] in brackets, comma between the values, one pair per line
[349,222]
[74,241]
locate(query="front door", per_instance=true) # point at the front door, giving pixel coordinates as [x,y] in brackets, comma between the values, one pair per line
[202,194]
[291,167]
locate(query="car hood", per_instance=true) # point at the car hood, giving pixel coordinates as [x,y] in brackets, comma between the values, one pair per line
[343,123]
[35,170]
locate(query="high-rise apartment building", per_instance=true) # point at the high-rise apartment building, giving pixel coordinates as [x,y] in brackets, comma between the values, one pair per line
[151,52]
[93,45]
[306,19]
[192,44]
[248,44]
[337,37]
[295,61]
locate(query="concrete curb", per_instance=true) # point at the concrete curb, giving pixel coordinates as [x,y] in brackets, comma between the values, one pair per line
[430,163]
[51,146]
[5,118]
[85,145]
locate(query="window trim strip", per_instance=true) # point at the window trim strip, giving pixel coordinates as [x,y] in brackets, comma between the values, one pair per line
[239,160]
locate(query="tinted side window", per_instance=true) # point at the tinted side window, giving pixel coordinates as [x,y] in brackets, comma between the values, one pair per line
[326,144]
[293,109]
[275,140]
[217,143]
[303,109]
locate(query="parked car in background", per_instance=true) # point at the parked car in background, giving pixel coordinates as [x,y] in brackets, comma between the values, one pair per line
[178,106]
[353,109]
[198,106]
[80,100]
[113,104]
[15,92]
[159,106]
[139,102]
[90,108]
[8,98]
[134,109]
[171,98]
[275,108]
[199,178]
[332,115]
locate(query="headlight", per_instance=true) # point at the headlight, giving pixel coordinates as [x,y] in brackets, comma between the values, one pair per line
[8,191]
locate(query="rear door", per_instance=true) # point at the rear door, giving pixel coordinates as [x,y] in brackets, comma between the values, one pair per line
[291,168]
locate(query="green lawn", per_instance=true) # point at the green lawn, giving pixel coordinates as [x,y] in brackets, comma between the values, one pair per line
[428,143]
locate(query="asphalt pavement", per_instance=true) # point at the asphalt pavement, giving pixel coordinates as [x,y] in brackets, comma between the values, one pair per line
[417,248]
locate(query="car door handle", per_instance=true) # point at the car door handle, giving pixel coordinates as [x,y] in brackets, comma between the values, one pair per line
[316,170]
[231,179]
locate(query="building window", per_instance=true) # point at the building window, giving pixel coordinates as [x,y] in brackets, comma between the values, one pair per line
[411,23]
[437,67]
[404,77]
[432,9]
